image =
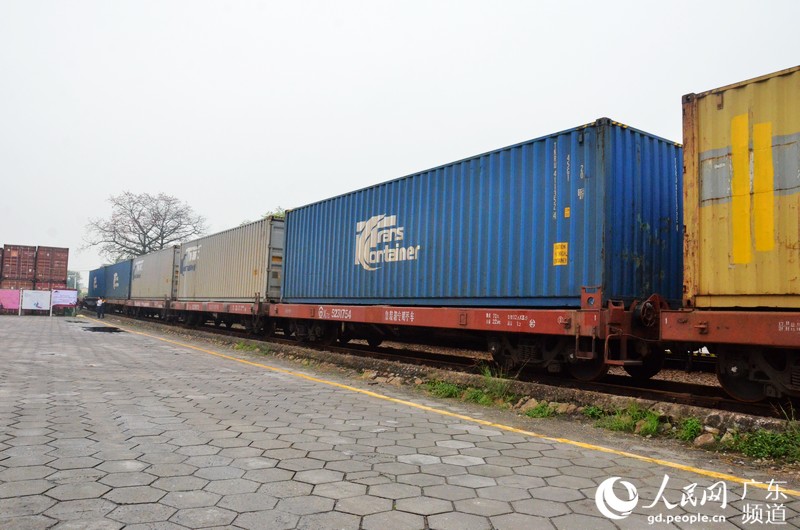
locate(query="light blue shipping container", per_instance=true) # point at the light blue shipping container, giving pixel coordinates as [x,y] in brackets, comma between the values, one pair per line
[118,280]
[523,226]
[97,283]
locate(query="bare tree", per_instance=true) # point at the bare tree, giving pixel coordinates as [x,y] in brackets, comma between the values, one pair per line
[142,223]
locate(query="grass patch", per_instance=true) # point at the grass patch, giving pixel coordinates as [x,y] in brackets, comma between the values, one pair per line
[479,396]
[769,444]
[626,420]
[689,429]
[246,346]
[593,412]
[542,410]
[444,389]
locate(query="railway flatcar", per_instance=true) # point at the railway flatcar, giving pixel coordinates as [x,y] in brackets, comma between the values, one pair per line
[742,250]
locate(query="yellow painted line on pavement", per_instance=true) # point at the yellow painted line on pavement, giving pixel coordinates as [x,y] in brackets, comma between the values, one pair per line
[507,428]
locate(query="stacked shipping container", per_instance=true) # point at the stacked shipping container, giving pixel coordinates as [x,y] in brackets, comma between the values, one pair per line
[51,268]
[19,267]
[26,267]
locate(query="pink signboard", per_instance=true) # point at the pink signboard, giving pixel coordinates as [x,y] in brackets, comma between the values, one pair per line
[9,299]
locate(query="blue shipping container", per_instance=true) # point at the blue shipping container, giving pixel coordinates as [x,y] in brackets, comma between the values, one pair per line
[118,280]
[97,283]
[523,226]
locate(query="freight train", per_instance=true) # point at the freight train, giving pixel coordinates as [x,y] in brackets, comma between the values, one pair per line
[597,246]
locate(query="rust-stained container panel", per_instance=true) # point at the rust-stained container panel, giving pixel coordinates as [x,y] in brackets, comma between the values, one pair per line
[19,263]
[742,194]
[154,275]
[239,264]
[51,264]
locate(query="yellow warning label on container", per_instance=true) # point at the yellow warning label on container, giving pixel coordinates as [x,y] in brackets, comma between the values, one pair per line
[566,212]
[560,253]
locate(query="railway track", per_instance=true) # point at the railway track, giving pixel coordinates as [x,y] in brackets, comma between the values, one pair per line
[704,396]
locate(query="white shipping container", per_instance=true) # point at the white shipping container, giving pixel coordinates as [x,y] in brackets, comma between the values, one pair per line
[237,265]
[154,275]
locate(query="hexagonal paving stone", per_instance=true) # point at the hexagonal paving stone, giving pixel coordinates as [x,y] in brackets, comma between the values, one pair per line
[142,513]
[328,520]
[424,505]
[503,493]
[22,506]
[203,517]
[69,492]
[272,519]
[395,491]
[74,463]
[393,520]
[248,502]
[257,462]
[119,480]
[418,460]
[171,470]
[484,507]
[269,475]
[461,460]
[219,473]
[541,508]
[300,464]
[80,510]
[232,486]
[363,505]
[122,466]
[190,499]
[552,493]
[458,521]
[179,483]
[305,505]
[340,490]
[20,488]
[25,473]
[517,521]
[318,476]
[450,493]
[134,495]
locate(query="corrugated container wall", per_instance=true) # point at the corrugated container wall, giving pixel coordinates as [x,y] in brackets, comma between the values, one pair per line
[16,284]
[527,225]
[742,185]
[118,280]
[51,264]
[239,264]
[154,274]
[19,262]
[97,283]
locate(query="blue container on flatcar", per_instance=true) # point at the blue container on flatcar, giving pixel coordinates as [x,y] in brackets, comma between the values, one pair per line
[97,283]
[524,226]
[118,280]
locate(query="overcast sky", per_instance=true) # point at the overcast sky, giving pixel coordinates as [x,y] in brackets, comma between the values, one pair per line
[238,107]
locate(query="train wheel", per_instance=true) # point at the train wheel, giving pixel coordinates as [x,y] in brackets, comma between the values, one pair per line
[374,341]
[588,370]
[652,362]
[733,373]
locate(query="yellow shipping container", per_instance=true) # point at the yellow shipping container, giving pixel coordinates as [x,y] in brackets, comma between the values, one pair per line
[742,194]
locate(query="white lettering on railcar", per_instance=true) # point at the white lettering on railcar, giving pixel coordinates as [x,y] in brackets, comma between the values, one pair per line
[788,326]
[189,258]
[345,314]
[378,241]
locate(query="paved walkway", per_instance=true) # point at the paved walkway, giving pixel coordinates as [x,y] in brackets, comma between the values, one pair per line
[112,430]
